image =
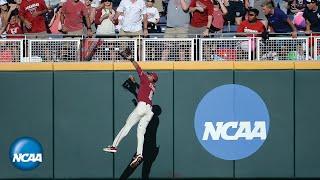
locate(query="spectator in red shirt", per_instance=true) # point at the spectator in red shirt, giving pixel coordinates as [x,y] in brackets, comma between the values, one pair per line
[252,25]
[201,20]
[14,26]
[219,11]
[31,14]
[72,13]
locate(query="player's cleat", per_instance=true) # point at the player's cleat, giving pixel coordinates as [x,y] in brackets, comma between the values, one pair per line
[110,149]
[136,160]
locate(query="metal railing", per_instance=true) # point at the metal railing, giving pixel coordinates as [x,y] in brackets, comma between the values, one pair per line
[48,50]
[95,49]
[283,48]
[11,50]
[217,48]
[316,48]
[237,48]
[168,49]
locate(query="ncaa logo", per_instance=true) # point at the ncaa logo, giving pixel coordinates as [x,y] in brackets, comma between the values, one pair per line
[231,122]
[26,153]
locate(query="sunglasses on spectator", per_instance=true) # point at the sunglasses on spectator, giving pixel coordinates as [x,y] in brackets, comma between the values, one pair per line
[251,14]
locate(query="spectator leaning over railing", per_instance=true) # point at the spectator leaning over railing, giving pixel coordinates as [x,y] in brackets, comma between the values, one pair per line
[201,19]
[72,13]
[219,11]
[257,5]
[104,15]
[178,18]
[31,14]
[134,12]
[278,21]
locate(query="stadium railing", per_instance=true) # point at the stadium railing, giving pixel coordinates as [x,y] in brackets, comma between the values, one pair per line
[217,47]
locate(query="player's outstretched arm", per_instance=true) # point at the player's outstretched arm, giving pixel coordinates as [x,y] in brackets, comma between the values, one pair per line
[127,55]
[138,68]
[135,64]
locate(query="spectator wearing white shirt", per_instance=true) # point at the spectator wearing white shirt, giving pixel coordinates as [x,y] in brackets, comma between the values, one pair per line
[153,17]
[103,18]
[134,11]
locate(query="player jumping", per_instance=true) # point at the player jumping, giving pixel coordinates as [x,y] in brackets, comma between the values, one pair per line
[142,113]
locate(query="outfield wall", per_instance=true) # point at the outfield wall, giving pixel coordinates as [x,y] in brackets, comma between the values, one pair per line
[74,110]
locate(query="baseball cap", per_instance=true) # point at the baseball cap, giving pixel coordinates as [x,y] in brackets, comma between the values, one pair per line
[311,1]
[3,2]
[154,75]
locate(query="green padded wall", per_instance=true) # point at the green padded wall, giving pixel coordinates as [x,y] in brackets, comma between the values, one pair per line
[83,124]
[26,110]
[275,156]
[307,124]
[190,159]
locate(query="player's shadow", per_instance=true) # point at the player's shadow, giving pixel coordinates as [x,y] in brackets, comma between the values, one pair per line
[150,149]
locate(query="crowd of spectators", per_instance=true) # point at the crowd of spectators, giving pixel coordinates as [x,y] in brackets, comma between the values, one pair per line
[175,17]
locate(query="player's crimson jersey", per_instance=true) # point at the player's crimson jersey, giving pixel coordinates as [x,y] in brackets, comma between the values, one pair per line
[146,89]
[27,8]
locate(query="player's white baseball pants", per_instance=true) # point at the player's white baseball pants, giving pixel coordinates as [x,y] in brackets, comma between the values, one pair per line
[143,113]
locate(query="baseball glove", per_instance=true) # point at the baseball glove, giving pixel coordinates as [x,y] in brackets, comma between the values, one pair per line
[126,54]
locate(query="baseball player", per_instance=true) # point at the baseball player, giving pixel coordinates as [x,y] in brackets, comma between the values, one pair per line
[142,113]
